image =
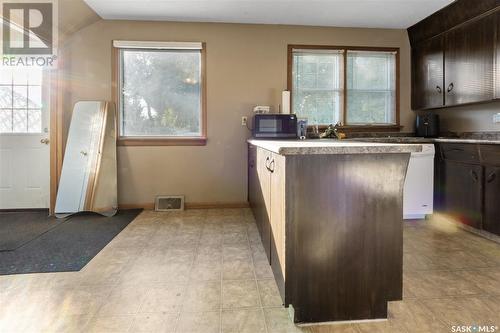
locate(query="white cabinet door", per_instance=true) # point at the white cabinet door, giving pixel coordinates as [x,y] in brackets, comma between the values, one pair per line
[24,148]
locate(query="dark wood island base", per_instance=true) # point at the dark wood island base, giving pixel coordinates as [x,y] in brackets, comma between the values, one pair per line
[332,228]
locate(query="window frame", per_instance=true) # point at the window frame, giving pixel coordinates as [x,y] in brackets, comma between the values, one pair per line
[122,140]
[343,115]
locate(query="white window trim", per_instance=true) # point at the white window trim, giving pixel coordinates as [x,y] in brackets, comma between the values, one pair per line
[127,44]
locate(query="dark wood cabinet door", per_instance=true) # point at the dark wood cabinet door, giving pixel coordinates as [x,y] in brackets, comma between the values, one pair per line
[253,186]
[427,75]
[491,221]
[497,68]
[469,57]
[264,201]
[463,192]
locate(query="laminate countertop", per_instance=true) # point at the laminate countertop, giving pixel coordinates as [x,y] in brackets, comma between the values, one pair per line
[396,139]
[332,146]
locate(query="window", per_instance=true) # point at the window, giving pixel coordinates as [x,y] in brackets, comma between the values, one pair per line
[317,85]
[20,100]
[161,92]
[354,86]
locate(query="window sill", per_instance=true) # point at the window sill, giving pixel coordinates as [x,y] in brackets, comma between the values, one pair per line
[364,128]
[181,141]
[371,128]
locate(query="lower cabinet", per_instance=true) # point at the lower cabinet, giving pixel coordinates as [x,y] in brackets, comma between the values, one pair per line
[463,192]
[491,218]
[468,184]
[266,191]
[277,169]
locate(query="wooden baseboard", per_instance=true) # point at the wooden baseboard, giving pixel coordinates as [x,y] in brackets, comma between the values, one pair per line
[21,210]
[191,205]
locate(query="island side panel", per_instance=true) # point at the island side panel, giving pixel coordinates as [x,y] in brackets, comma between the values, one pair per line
[345,234]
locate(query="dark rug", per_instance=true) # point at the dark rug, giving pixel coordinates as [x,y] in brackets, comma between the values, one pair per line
[67,247]
[18,228]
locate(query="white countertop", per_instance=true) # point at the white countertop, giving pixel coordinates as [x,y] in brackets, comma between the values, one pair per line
[332,146]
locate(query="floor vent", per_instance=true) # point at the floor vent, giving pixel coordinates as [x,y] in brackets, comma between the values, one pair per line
[169,202]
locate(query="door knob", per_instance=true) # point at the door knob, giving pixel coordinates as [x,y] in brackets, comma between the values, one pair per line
[45,141]
[83,152]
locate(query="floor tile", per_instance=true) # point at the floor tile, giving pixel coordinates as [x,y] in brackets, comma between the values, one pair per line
[243,321]
[278,321]
[203,297]
[269,293]
[240,294]
[164,273]
[263,269]
[237,269]
[110,324]
[200,322]
[167,297]
[428,284]
[155,322]
[124,300]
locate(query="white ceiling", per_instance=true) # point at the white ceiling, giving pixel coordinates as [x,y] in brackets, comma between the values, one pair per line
[397,14]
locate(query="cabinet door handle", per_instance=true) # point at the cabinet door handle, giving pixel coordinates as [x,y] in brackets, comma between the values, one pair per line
[439,90]
[450,87]
[271,164]
[474,175]
[491,177]
[267,162]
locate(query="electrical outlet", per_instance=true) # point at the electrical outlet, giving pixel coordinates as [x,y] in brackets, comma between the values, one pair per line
[496,118]
[244,121]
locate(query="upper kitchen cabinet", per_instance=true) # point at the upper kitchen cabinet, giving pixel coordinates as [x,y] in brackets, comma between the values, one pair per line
[453,55]
[427,74]
[469,62]
[497,71]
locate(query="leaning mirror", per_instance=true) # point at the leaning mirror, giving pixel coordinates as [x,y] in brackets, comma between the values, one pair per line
[88,177]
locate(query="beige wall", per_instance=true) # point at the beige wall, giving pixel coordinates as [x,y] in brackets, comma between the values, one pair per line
[471,118]
[246,66]
[73,15]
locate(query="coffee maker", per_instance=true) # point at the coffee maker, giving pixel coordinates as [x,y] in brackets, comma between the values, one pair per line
[427,125]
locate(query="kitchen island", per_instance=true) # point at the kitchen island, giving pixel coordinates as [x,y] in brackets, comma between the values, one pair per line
[330,215]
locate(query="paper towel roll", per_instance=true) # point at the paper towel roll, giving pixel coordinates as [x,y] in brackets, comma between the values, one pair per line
[285,102]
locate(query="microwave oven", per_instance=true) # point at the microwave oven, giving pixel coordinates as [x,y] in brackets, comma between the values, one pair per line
[275,126]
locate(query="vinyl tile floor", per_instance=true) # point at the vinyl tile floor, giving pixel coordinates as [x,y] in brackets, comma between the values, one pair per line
[206,271]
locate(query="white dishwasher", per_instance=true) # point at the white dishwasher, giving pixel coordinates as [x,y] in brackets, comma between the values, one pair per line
[419,184]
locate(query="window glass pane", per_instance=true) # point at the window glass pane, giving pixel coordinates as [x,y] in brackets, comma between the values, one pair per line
[20,90]
[317,85]
[20,96]
[161,94]
[34,121]
[5,97]
[6,121]
[19,121]
[34,97]
[371,87]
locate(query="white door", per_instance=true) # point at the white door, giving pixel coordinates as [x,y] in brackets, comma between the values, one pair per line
[80,154]
[24,133]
